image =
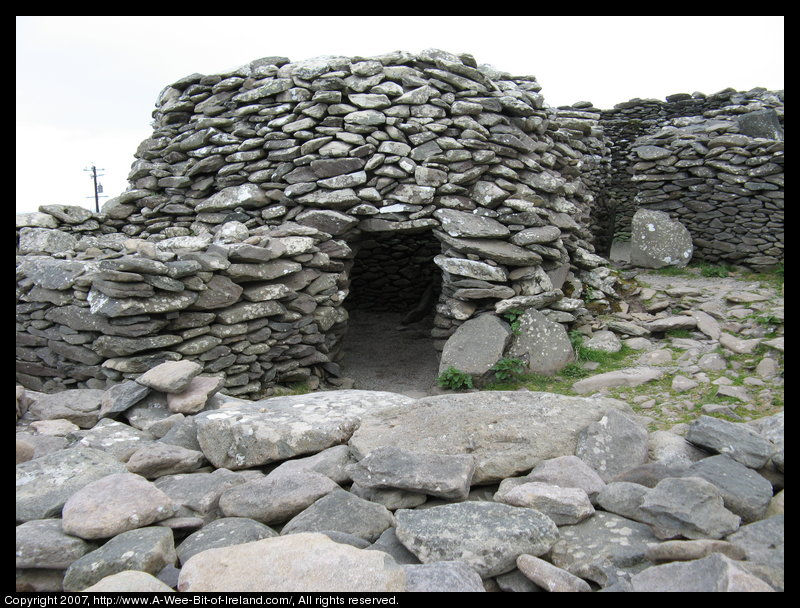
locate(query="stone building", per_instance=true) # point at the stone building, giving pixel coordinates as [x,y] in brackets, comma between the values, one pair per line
[272,201]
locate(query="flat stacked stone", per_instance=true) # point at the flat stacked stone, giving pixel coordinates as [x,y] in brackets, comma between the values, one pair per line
[235,246]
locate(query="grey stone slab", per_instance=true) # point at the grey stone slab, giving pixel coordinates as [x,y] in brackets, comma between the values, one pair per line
[744,491]
[488,536]
[257,433]
[603,548]
[739,441]
[476,346]
[146,549]
[508,432]
[45,484]
[688,506]
[612,445]
[42,543]
[715,573]
[342,511]
[440,475]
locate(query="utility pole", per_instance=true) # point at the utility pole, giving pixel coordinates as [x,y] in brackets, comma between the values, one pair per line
[98,187]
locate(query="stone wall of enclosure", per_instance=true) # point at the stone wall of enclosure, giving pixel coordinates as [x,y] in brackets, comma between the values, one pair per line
[713,162]
[272,200]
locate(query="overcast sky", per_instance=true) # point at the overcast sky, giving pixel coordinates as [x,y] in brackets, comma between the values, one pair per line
[86,86]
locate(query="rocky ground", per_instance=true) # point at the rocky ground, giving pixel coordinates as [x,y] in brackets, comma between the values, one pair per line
[686,345]
[653,463]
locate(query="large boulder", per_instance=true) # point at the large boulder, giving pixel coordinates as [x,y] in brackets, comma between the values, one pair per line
[252,434]
[508,432]
[476,346]
[658,241]
[543,344]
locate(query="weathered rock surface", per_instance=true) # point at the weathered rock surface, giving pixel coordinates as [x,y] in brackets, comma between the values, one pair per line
[623,377]
[549,577]
[543,344]
[603,548]
[612,445]
[487,536]
[297,562]
[737,441]
[690,507]
[144,549]
[444,476]
[658,241]
[238,436]
[508,433]
[341,511]
[114,504]
[275,498]
[559,523]
[714,573]
[45,484]
[476,346]
[564,506]
[42,543]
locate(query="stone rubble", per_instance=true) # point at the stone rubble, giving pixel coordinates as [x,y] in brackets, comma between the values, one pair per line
[411,504]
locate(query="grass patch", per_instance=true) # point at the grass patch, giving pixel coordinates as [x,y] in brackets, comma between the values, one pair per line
[711,270]
[562,382]
[771,280]
[679,333]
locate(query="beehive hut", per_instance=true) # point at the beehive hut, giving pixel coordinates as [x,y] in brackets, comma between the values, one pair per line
[273,202]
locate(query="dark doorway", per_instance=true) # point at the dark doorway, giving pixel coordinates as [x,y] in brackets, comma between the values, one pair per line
[394,287]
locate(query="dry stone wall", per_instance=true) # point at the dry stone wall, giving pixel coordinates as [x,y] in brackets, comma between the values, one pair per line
[715,163]
[235,244]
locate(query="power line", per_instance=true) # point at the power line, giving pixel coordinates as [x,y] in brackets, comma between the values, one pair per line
[98,187]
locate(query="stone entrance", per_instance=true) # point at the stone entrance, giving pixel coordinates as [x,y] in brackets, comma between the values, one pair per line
[393,290]
[394,272]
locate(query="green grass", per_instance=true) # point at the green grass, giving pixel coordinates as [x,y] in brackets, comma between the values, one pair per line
[562,381]
[711,270]
[679,333]
[772,279]
[667,407]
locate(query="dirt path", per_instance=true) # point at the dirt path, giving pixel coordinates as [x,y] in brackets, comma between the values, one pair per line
[382,355]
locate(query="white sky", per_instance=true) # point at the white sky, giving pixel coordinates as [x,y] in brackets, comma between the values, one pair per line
[86,86]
